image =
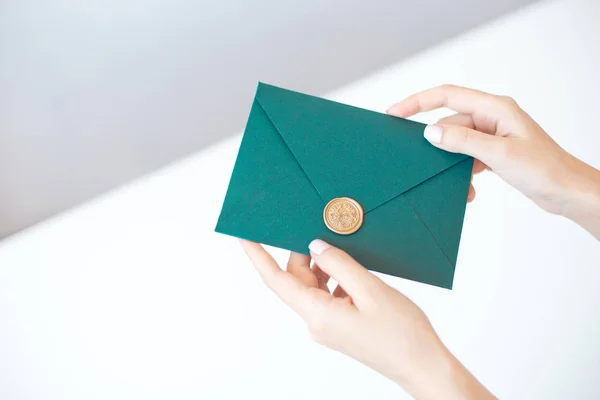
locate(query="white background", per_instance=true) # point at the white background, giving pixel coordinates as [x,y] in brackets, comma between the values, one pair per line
[132,296]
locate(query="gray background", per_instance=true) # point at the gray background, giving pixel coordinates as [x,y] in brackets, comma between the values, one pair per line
[95,93]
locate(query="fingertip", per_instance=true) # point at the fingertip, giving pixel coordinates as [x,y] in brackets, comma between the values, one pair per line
[433,133]
[256,253]
[248,245]
[318,246]
[472,194]
[244,243]
[463,140]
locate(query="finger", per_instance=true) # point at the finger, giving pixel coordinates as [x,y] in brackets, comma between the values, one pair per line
[340,292]
[478,167]
[467,121]
[458,119]
[459,99]
[286,286]
[299,266]
[458,139]
[359,283]
[322,277]
[478,122]
[471,195]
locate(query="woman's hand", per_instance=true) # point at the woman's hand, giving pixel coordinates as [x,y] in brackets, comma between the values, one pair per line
[367,320]
[504,138]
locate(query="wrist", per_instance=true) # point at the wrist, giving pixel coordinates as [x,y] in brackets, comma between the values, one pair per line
[439,375]
[582,192]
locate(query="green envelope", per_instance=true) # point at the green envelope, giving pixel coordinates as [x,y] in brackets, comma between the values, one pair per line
[299,152]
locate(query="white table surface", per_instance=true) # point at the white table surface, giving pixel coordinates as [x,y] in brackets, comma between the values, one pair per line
[132,296]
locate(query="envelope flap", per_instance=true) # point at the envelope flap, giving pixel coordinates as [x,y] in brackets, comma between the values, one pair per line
[352,152]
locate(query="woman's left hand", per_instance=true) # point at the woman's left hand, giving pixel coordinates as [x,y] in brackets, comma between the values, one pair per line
[367,320]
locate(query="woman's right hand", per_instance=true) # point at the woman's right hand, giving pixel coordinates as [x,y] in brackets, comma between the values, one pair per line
[367,320]
[505,139]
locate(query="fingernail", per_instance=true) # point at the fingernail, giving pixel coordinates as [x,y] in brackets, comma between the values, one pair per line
[318,246]
[433,133]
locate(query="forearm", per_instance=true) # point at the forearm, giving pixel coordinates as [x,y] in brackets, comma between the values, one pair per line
[583,191]
[444,377]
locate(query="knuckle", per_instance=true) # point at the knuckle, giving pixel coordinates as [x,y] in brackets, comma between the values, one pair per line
[459,138]
[463,136]
[509,102]
[509,150]
[447,86]
[314,298]
[319,328]
[445,92]
[373,291]
[373,294]
[334,256]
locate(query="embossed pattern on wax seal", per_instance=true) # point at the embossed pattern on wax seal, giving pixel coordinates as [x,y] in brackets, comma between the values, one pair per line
[343,215]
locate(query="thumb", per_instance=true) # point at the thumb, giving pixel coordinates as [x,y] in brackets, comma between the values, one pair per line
[360,284]
[460,139]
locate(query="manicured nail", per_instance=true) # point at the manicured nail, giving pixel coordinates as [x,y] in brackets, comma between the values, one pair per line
[318,246]
[433,133]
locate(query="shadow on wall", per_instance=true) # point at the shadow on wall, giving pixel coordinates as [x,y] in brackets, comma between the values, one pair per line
[95,93]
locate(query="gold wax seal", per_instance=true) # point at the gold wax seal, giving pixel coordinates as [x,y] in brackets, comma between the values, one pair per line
[343,215]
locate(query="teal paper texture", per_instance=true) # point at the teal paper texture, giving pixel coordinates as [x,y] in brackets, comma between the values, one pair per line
[299,152]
